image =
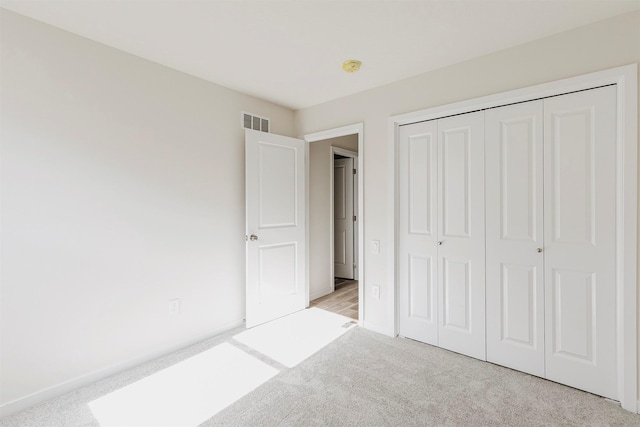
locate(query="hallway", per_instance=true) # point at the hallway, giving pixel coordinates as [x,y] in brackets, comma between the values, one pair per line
[344,300]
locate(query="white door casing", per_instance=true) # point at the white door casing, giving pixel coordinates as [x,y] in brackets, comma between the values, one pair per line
[514,209]
[343,214]
[418,214]
[275,226]
[580,244]
[461,234]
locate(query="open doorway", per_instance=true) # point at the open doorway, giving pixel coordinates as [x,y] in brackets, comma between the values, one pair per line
[343,192]
[335,221]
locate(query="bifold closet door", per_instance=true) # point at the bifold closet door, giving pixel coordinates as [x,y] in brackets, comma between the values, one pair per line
[417,249]
[548,170]
[515,267]
[461,234]
[580,229]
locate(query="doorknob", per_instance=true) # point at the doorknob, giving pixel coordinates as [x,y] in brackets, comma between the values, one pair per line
[539,250]
[253,237]
[439,242]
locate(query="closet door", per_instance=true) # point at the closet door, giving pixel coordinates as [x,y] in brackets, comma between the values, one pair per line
[580,191]
[515,268]
[417,250]
[461,234]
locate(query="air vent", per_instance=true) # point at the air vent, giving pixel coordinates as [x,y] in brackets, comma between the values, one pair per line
[251,121]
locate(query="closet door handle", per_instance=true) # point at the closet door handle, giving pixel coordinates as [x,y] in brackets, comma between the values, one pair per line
[539,250]
[439,242]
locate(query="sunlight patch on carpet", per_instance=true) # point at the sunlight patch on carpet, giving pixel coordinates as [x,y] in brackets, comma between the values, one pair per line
[187,393]
[293,338]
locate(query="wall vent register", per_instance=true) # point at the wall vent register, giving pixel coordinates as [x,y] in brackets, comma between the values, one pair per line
[251,121]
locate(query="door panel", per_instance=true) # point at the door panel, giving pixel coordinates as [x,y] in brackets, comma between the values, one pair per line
[573,301]
[455,181]
[417,242]
[572,165]
[461,230]
[456,308]
[277,270]
[275,210]
[514,197]
[277,182]
[343,218]
[420,288]
[517,311]
[580,189]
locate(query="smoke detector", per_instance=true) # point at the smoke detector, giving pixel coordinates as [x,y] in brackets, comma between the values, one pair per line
[351,65]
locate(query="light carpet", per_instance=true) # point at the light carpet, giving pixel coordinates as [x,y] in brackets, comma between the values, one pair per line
[365,379]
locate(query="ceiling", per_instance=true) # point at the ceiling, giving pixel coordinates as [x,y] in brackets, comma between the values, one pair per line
[291,52]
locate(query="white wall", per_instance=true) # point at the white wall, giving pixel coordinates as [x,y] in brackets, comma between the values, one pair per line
[320,279]
[599,46]
[122,187]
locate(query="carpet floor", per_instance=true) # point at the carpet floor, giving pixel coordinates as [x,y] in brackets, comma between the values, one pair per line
[366,379]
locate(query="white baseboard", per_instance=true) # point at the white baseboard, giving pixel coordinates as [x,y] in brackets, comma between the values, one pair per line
[319,294]
[381,329]
[57,390]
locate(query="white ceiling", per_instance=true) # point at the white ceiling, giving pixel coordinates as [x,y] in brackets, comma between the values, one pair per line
[290,52]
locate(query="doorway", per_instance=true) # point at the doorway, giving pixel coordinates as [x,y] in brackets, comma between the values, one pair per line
[343,191]
[335,221]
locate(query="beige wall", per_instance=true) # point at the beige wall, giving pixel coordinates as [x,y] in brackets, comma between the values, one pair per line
[320,280]
[122,188]
[606,44]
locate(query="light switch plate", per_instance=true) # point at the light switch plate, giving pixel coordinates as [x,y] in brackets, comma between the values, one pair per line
[375,291]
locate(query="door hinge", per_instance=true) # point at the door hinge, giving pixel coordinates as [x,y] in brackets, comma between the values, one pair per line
[354,218]
[354,171]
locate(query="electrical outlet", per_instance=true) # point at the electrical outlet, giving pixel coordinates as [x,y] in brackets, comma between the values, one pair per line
[375,291]
[174,307]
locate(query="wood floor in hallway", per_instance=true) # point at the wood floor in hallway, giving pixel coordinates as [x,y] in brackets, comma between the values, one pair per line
[344,300]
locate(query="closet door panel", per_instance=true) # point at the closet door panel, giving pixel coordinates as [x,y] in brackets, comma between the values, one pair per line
[417,153]
[461,231]
[515,268]
[580,189]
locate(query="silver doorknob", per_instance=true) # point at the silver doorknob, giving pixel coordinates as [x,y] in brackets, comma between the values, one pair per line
[439,242]
[253,237]
[539,250]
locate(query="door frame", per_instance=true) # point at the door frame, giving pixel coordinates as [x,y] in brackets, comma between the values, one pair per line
[354,129]
[332,259]
[626,80]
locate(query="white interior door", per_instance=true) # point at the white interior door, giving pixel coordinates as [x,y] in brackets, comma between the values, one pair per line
[343,224]
[514,209]
[418,233]
[461,234]
[275,214]
[580,200]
